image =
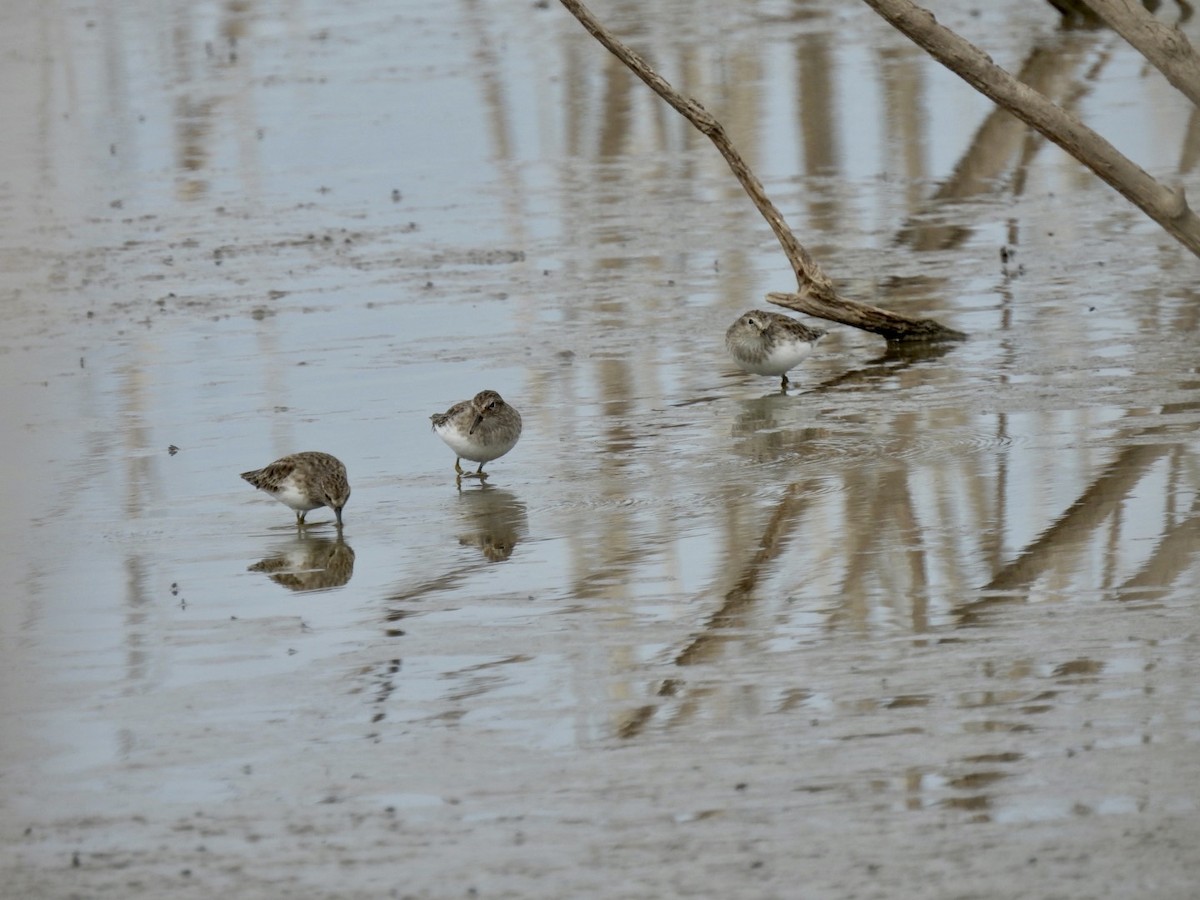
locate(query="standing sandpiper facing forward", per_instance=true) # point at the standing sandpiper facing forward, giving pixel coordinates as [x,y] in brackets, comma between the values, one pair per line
[481,429]
[305,481]
[767,343]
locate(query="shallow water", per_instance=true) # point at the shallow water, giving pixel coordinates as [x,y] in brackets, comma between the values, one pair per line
[925,625]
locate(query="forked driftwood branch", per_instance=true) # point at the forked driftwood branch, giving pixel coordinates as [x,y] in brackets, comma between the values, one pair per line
[1167,207]
[816,295]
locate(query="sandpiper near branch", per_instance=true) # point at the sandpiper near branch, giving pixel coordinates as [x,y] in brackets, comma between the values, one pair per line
[305,481]
[768,343]
[480,429]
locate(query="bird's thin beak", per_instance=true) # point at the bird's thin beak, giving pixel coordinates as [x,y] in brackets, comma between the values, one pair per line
[475,424]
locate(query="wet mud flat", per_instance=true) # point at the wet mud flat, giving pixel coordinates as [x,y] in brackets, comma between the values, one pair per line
[924,625]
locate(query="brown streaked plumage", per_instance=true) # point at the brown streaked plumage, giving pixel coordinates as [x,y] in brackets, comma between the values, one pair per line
[305,481]
[769,343]
[480,429]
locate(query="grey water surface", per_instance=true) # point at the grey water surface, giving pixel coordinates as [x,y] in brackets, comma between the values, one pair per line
[928,625]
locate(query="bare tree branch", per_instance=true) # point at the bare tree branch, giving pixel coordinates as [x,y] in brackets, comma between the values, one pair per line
[1167,207]
[1167,48]
[817,295]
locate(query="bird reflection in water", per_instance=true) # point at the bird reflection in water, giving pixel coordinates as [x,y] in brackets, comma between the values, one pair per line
[309,563]
[767,428]
[494,521]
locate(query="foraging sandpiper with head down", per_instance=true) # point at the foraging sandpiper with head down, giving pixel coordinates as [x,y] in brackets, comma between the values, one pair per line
[305,481]
[480,429]
[769,343]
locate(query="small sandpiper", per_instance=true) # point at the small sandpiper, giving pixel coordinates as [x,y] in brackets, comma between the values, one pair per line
[768,343]
[305,481]
[480,430]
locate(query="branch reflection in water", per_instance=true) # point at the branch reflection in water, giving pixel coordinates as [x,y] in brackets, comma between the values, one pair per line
[902,544]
